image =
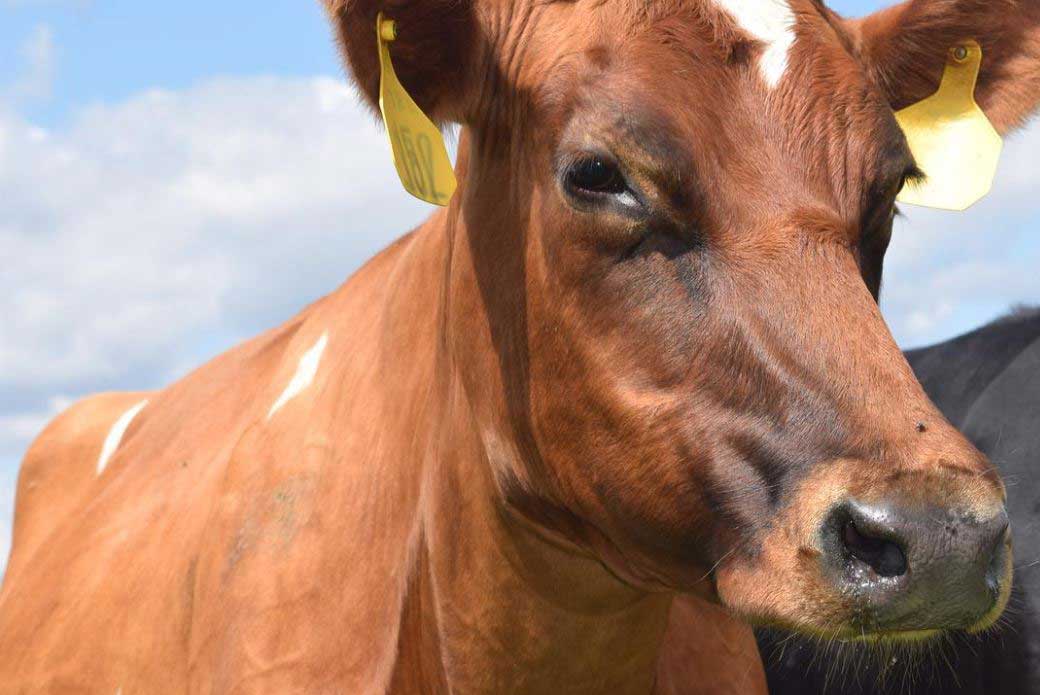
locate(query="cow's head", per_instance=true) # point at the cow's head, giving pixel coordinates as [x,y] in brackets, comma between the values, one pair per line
[665,258]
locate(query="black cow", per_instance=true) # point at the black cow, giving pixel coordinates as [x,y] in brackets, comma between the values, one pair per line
[987,382]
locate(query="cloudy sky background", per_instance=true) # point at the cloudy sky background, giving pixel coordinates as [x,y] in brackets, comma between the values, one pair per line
[175,177]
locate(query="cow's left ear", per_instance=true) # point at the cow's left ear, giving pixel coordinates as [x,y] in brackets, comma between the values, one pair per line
[433,54]
[905,48]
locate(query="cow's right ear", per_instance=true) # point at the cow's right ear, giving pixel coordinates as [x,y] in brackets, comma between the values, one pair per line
[433,53]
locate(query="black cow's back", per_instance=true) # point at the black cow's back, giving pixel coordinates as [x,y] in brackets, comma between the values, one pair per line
[988,384]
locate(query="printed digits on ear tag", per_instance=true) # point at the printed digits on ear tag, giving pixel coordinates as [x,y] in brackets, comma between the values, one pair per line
[420,157]
[426,153]
[413,165]
[397,145]
[953,142]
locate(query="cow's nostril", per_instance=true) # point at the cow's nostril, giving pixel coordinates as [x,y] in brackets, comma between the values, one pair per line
[906,567]
[885,557]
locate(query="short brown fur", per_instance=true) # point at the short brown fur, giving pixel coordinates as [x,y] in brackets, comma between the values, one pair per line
[556,442]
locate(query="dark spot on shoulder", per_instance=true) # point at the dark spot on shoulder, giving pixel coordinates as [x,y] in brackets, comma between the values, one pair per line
[599,56]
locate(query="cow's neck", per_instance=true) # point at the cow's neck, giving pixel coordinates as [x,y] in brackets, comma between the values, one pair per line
[517,612]
[493,605]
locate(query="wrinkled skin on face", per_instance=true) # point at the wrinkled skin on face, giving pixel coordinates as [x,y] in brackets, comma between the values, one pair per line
[674,349]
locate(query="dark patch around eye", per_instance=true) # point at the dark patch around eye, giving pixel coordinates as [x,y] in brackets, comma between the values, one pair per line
[873,245]
[664,244]
[877,221]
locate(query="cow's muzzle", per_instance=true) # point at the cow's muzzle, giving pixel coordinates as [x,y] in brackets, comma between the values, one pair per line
[913,568]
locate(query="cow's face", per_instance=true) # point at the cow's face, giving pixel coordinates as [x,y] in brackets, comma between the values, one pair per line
[667,252]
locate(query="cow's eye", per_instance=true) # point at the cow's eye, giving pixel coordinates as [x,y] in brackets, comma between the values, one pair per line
[594,182]
[595,175]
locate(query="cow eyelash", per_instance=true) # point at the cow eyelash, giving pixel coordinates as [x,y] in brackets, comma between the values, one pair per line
[912,176]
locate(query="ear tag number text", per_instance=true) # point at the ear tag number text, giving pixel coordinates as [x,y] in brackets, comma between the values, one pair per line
[952,140]
[419,154]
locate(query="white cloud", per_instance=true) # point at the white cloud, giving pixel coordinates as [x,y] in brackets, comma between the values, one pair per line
[147,235]
[36,74]
[148,224]
[948,272]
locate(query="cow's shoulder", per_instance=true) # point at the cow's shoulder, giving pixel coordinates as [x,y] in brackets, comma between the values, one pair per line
[65,460]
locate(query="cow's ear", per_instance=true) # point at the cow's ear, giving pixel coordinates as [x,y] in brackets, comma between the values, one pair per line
[905,48]
[432,55]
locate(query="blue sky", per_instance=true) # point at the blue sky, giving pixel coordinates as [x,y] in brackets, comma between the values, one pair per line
[178,176]
[108,50]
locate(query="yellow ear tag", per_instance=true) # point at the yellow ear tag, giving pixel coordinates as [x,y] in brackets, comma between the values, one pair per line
[420,157]
[952,140]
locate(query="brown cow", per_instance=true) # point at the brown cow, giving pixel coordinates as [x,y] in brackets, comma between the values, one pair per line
[638,357]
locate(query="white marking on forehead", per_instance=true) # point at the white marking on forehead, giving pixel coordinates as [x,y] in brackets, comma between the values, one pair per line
[115,435]
[771,22]
[304,375]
